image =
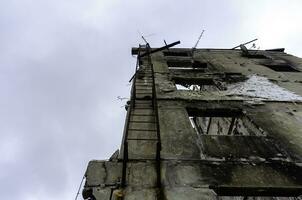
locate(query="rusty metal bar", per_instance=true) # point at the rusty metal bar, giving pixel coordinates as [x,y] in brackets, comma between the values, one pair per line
[244,43]
[150,51]
[125,146]
[125,160]
[155,107]
[209,125]
[231,126]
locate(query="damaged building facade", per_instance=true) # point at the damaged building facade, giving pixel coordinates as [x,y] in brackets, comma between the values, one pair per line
[207,124]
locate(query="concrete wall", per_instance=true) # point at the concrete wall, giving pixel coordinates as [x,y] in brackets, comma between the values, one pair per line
[192,163]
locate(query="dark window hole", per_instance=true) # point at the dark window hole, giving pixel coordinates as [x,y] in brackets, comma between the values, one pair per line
[282,67]
[222,121]
[176,53]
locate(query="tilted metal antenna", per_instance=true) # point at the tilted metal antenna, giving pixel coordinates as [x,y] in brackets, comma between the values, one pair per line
[198,39]
[145,40]
[144,36]
[194,48]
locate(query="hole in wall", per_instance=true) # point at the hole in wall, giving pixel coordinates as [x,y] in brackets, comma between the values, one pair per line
[186,64]
[222,122]
[176,53]
[281,67]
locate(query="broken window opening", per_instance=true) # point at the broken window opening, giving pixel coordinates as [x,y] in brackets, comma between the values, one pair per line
[198,64]
[179,64]
[181,87]
[195,84]
[224,122]
[186,64]
[194,87]
[282,67]
[176,53]
[256,55]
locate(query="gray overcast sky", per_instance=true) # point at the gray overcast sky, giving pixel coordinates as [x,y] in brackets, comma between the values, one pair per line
[64,62]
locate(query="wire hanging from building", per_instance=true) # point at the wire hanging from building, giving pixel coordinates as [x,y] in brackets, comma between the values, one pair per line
[79,188]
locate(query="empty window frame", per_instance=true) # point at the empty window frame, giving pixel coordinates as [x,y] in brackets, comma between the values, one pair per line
[282,67]
[195,84]
[195,87]
[176,53]
[279,65]
[186,64]
[222,122]
[183,64]
[256,55]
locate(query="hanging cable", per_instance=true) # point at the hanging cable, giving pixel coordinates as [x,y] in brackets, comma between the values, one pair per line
[80,188]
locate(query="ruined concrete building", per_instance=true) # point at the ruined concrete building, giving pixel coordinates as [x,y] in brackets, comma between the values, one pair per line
[207,124]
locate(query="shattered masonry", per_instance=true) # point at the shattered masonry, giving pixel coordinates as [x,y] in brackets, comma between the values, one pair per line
[219,124]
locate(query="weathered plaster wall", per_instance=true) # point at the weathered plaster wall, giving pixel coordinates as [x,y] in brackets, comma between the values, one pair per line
[191,162]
